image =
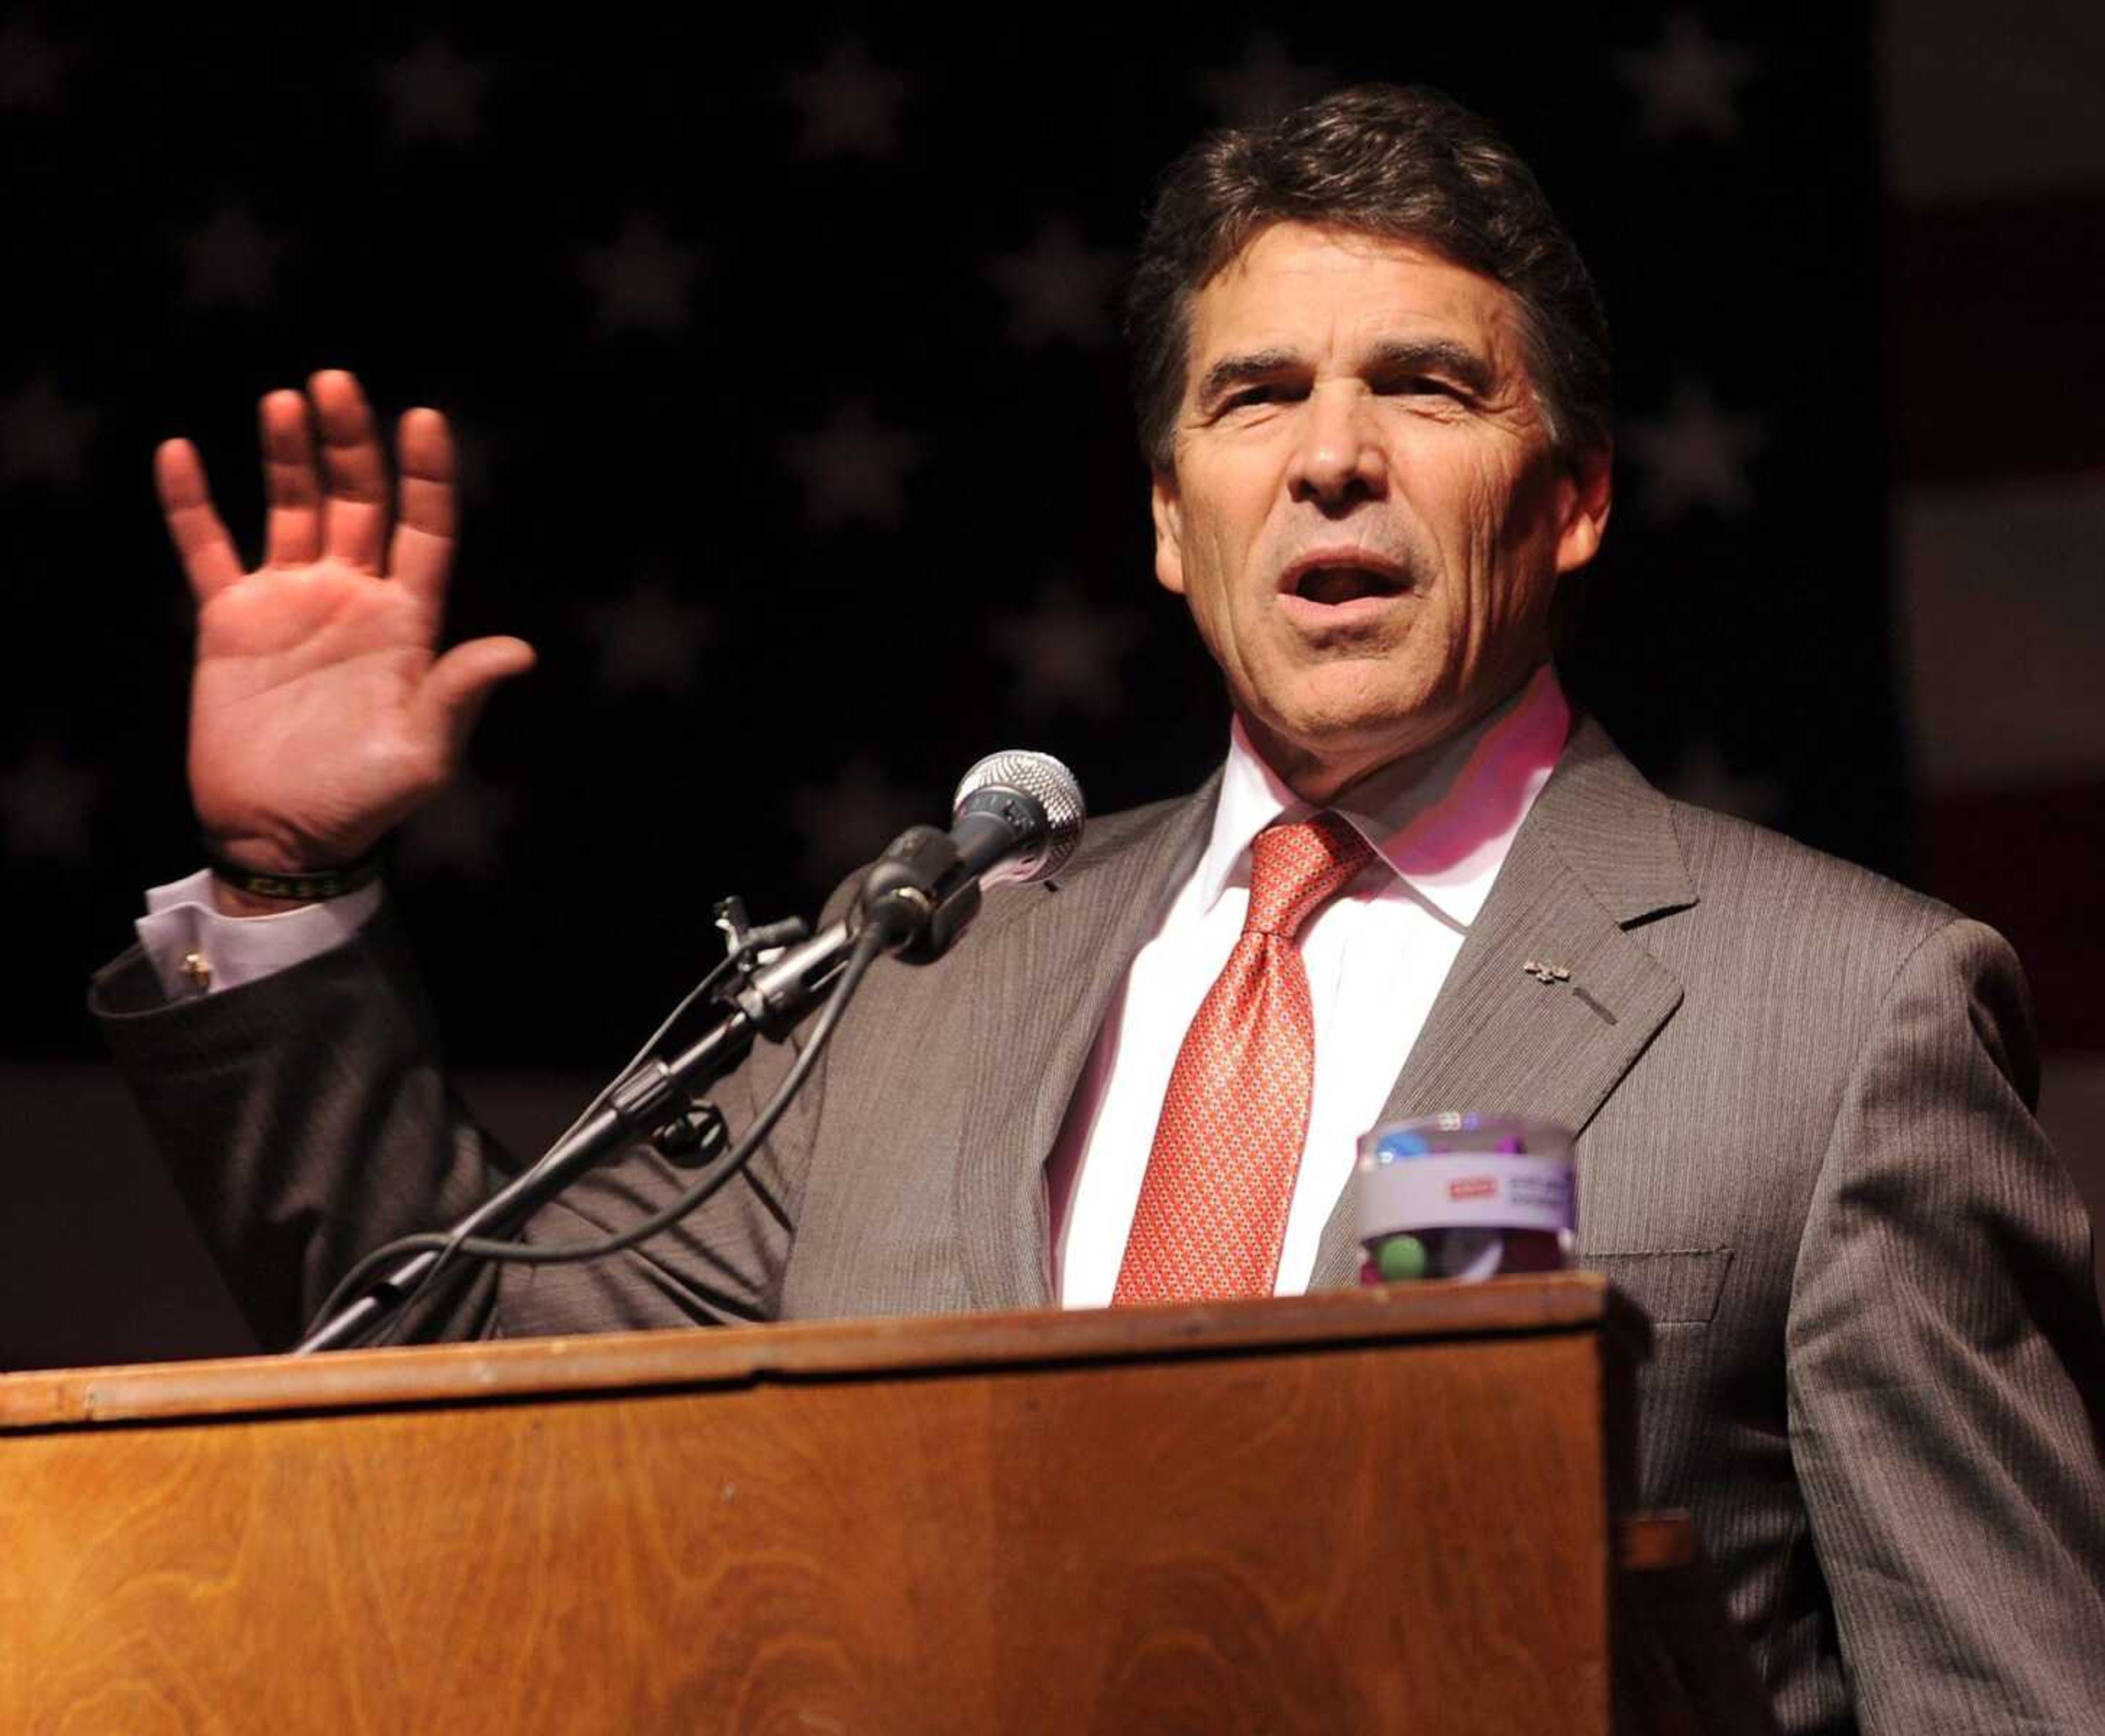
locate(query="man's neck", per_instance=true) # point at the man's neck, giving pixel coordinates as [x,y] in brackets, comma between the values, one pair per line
[1321,780]
[1442,819]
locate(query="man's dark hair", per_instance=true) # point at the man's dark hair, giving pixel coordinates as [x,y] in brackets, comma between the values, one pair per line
[1407,163]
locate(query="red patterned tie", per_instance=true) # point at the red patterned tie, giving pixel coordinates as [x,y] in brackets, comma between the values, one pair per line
[1212,1207]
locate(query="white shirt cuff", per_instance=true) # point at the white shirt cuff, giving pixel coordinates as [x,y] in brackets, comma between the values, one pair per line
[196,950]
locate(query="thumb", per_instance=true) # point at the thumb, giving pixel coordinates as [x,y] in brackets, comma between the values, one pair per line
[458,686]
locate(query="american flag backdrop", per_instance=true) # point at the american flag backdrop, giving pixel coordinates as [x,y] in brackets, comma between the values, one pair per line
[784,356]
[1996,266]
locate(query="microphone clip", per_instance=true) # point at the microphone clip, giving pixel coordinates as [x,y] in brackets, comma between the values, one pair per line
[748,945]
[919,893]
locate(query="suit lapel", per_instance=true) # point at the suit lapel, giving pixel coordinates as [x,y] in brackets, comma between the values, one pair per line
[1596,856]
[1041,987]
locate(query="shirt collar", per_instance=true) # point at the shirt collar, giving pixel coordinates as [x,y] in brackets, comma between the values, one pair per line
[1442,821]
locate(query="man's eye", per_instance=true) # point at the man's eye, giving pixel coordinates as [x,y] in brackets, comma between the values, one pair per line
[1251,397]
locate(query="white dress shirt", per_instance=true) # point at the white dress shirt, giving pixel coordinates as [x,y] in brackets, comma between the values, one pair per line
[1441,824]
[180,926]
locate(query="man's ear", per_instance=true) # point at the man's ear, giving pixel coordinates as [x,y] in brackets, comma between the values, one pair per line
[1587,491]
[1168,510]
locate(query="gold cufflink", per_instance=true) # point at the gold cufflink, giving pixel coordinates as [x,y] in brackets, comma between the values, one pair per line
[198,969]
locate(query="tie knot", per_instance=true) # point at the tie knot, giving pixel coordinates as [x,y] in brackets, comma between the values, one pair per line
[1296,869]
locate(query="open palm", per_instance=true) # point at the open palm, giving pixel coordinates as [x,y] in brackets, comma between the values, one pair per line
[321,713]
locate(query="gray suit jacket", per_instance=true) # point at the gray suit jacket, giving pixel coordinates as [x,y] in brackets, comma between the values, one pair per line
[1806,1150]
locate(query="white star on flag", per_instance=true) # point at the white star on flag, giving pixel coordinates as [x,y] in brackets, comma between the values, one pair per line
[44,436]
[1694,455]
[1686,81]
[851,818]
[848,105]
[1060,287]
[854,468]
[432,94]
[462,832]
[650,638]
[1267,83]
[230,259]
[1065,652]
[643,280]
[45,802]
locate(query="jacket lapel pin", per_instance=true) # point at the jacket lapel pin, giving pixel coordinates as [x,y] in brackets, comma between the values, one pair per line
[1542,971]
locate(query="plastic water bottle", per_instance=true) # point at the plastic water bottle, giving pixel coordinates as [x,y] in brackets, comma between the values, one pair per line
[1464,1196]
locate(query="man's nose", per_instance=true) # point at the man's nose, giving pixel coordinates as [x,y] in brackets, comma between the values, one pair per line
[1338,458]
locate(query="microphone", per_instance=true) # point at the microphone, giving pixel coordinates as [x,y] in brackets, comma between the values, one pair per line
[1016,818]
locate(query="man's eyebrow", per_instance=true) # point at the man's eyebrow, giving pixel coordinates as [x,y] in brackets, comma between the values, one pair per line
[1438,355]
[1446,356]
[1237,370]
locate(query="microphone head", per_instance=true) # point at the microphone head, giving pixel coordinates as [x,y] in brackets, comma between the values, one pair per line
[1042,782]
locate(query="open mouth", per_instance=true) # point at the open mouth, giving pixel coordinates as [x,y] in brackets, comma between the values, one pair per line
[1334,584]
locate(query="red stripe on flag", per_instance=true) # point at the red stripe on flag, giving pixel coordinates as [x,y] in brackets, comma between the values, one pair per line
[2032,863]
[1997,351]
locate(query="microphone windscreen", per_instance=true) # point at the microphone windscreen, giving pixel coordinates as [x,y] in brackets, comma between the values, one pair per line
[1044,780]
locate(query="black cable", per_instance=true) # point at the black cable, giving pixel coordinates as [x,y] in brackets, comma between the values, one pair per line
[706,986]
[448,1245]
[359,1276]
[869,944]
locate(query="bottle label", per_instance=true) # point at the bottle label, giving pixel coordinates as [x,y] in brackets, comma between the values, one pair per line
[1466,1190]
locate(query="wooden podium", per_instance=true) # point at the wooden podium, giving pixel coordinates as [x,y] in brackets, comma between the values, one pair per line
[1386,1510]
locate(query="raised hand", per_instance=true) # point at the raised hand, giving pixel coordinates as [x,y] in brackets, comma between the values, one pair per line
[321,713]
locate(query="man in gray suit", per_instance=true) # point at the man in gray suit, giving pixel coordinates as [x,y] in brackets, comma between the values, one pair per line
[1372,383]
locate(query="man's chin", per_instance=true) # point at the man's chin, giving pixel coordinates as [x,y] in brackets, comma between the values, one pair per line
[1318,751]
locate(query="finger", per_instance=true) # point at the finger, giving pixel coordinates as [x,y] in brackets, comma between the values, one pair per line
[354,508]
[293,524]
[210,560]
[421,550]
[459,685]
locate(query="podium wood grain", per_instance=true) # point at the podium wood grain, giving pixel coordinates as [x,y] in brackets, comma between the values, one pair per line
[1377,1511]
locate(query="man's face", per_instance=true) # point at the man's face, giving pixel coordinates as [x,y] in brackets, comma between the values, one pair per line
[1366,516]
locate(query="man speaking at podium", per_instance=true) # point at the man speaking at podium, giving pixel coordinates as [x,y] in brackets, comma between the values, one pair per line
[1373,385]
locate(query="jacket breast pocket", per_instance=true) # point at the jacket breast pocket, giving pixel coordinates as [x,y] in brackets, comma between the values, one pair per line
[1675,1286]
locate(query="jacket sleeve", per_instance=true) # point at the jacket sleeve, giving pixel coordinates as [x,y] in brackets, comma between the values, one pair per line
[1946,1377]
[307,1120]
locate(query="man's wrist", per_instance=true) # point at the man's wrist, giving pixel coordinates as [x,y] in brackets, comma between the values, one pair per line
[197,946]
[240,891]
[231,900]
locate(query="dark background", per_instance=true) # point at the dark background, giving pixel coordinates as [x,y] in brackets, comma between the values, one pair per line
[784,365]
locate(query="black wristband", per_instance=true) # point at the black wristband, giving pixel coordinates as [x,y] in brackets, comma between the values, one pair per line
[309,888]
